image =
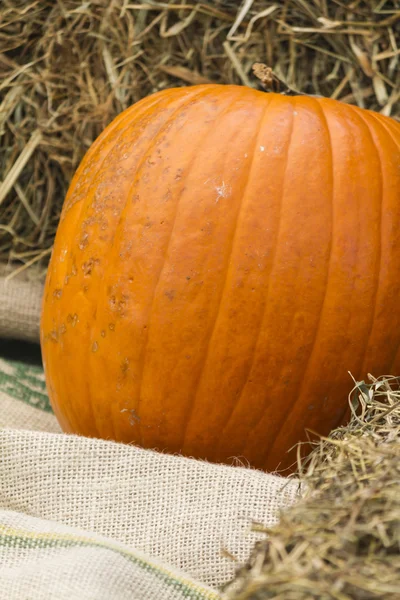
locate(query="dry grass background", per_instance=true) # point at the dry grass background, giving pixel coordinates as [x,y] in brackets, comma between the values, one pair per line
[67,67]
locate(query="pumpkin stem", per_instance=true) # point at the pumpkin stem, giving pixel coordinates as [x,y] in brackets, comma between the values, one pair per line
[271,82]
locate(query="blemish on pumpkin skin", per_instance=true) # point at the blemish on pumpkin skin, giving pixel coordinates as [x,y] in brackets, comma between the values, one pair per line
[74,319]
[170,294]
[111,326]
[89,265]
[84,241]
[63,254]
[126,250]
[95,347]
[57,293]
[168,195]
[118,306]
[103,333]
[223,191]
[89,221]
[87,269]
[121,307]
[125,366]
[133,417]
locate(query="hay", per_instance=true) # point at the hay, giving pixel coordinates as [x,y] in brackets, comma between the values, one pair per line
[342,540]
[68,67]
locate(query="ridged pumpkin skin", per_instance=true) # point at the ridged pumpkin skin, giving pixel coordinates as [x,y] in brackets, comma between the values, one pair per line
[224,258]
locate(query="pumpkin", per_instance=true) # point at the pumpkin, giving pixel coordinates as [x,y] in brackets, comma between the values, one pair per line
[224,258]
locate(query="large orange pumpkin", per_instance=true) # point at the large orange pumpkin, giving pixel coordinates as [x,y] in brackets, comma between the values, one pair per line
[224,258]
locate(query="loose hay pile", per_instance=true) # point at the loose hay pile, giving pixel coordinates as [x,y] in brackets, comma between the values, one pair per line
[342,541]
[67,68]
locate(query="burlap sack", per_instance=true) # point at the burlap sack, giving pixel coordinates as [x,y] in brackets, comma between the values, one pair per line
[83,518]
[43,560]
[20,304]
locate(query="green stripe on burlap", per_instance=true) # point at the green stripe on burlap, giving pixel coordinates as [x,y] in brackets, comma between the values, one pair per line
[24,382]
[15,538]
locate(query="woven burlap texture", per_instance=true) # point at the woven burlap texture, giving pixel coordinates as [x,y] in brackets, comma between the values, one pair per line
[43,560]
[20,305]
[178,510]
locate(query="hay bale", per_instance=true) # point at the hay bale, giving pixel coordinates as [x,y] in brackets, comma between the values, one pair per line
[342,540]
[67,68]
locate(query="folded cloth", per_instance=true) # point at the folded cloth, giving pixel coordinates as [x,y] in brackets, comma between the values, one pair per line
[85,518]
[20,305]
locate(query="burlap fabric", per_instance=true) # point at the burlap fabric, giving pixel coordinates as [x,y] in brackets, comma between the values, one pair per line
[20,304]
[83,518]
